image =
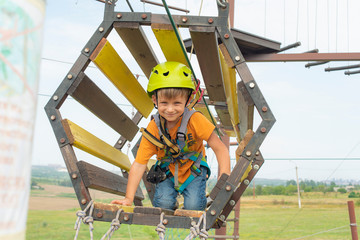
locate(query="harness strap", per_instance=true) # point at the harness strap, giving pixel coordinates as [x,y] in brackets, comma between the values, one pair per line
[176,177]
[181,133]
[169,145]
[151,138]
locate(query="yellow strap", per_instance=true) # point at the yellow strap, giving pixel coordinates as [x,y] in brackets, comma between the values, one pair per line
[174,149]
[151,138]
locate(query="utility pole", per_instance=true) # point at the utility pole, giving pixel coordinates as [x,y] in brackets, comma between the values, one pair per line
[298,187]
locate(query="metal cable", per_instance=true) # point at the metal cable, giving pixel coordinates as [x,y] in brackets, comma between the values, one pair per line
[319,232]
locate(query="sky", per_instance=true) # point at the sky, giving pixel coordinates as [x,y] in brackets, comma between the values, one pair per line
[317,112]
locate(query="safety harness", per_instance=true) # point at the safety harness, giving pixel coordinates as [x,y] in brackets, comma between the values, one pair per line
[176,151]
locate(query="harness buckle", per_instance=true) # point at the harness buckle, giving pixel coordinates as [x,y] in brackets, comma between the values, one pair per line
[196,172]
[181,136]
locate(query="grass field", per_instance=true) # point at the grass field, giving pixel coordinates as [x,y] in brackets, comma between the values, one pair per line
[322,216]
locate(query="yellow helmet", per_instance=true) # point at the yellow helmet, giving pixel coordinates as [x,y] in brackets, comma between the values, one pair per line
[170,75]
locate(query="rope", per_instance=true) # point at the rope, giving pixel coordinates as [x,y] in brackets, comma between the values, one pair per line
[186,57]
[89,220]
[115,225]
[221,3]
[160,229]
[81,215]
[195,230]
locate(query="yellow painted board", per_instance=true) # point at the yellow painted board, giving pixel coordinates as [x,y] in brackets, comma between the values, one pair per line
[110,63]
[229,76]
[169,43]
[91,144]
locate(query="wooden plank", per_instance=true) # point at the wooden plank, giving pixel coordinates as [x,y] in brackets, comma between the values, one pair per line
[219,184]
[135,40]
[110,63]
[246,109]
[113,207]
[240,149]
[91,144]
[188,213]
[224,116]
[169,43]
[96,101]
[153,210]
[250,43]
[100,179]
[81,191]
[246,139]
[229,76]
[259,160]
[206,47]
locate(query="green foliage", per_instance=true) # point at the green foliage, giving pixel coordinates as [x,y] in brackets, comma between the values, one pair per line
[354,195]
[34,185]
[342,190]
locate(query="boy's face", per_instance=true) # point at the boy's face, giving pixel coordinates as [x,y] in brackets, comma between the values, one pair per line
[170,108]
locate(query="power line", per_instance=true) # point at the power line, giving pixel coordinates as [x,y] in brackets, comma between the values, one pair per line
[355,146]
[70,63]
[118,104]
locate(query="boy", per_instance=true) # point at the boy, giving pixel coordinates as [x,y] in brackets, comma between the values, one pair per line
[182,164]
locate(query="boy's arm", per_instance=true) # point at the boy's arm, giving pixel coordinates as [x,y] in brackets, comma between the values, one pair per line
[221,152]
[136,172]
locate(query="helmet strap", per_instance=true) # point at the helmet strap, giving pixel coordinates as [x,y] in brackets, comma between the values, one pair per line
[156,97]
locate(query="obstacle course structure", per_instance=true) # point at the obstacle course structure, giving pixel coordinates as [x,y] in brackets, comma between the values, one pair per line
[221,53]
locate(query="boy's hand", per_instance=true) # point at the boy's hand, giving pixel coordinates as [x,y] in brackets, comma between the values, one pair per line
[125,201]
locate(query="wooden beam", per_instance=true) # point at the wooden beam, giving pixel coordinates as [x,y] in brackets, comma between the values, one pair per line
[207,53]
[246,109]
[110,63]
[91,144]
[100,179]
[135,40]
[229,76]
[96,101]
[169,43]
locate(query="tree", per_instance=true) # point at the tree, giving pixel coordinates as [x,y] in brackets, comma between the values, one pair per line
[341,190]
[291,182]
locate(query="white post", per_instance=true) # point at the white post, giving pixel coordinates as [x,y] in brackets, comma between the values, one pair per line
[298,187]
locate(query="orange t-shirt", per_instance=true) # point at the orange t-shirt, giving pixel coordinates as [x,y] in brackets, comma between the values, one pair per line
[199,128]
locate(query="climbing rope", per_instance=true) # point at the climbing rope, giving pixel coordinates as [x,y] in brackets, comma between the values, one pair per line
[195,230]
[115,225]
[187,58]
[81,216]
[160,229]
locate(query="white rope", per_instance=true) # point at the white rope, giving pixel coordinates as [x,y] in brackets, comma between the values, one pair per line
[81,215]
[115,225]
[89,220]
[195,230]
[160,229]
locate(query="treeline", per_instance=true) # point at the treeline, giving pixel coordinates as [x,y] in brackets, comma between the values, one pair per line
[291,188]
[50,181]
